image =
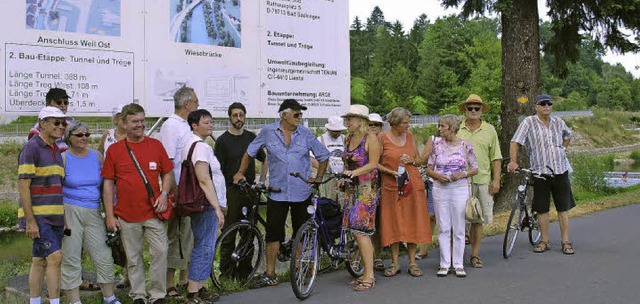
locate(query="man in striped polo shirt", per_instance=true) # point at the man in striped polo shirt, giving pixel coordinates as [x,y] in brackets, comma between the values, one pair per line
[41,213]
[546,139]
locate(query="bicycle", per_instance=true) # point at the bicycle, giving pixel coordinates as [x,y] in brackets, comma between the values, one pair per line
[522,216]
[314,236]
[248,247]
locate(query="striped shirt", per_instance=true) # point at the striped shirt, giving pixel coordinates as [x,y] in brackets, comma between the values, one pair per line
[544,143]
[42,164]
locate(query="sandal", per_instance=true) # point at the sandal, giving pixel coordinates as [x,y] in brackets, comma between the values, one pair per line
[541,247]
[567,248]
[392,270]
[420,256]
[364,285]
[415,271]
[88,285]
[476,262]
[378,265]
[354,282]
[173,293]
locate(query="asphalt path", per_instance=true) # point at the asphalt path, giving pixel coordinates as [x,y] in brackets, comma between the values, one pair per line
[604,269]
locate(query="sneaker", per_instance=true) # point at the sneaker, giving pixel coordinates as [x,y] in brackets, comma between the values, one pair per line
[115,301]
[460,273]
[264,280]
[202,296]
[442,272]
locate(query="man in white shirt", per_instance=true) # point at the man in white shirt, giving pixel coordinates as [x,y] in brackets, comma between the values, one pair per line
[333,140]
[174,134]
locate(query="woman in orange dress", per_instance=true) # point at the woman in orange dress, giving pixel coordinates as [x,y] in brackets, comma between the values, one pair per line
[403,210]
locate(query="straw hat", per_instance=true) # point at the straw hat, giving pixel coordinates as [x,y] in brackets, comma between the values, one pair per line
[357,110]
[375,117]
[473,98]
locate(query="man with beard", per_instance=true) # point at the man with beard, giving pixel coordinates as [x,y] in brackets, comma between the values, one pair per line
[229,149]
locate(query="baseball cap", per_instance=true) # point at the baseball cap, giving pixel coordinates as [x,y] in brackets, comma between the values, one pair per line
[54,112]
[542,98]
[56,93]
[291,104]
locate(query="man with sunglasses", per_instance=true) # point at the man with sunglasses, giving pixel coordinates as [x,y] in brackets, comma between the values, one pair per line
[486,183]
[57,98]
[41,212]
[288,145]
[546,139]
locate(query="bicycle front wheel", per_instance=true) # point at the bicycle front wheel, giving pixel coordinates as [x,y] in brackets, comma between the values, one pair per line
[534,228]
[513,227]
[303,267]
[238,254]
[354,262]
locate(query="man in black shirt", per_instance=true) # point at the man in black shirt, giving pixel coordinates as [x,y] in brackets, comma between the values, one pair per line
[229,149]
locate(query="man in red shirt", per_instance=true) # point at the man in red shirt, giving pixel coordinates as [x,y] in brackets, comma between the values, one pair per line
[135,213]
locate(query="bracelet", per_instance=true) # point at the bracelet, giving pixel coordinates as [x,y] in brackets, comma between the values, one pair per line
[466,174]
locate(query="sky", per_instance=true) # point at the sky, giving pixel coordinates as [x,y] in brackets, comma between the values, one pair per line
[408,10]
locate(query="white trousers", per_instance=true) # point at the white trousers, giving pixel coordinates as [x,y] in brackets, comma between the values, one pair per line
[450,204]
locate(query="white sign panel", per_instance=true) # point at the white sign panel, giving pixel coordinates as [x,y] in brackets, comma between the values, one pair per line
[111,52]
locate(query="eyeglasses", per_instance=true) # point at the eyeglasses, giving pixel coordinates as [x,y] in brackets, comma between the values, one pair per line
[375,125]
[61,101]
[80,135]
[545,103]
[297,115]
[471,109]
[57,123]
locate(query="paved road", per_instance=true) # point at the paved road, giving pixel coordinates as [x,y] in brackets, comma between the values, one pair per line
[604,269]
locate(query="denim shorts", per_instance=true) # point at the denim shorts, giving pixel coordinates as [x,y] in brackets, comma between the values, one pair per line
[205,228]
[50,240]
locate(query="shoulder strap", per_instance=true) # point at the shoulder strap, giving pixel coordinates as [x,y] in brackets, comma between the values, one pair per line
[193,146]
[144,178]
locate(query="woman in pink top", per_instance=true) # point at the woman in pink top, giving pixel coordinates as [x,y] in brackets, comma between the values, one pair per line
[450,164]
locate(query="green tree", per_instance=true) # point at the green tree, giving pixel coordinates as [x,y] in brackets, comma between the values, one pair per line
[521,73]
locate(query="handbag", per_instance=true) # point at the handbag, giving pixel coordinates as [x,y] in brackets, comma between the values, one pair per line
[473,211]
[192,198]
[167,214]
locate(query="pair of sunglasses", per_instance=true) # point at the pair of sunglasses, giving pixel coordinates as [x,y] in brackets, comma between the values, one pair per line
[471,109]
[57,123]
[545,103]
[297,115]
[61,102]
[80,135]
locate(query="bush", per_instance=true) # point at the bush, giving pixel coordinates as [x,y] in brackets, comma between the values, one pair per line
[588,172]
[635,155]
[8,214]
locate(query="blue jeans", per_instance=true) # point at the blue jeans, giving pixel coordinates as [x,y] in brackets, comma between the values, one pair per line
[205,229]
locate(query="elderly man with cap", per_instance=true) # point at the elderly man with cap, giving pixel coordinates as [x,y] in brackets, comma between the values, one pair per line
[546,138]
[41,212]
[486,183]
[288,145]
[333,140]
[57,98]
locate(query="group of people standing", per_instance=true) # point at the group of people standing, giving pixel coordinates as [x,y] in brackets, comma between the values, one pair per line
[384,205]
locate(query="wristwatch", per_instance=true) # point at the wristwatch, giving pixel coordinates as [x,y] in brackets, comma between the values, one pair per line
[166,194]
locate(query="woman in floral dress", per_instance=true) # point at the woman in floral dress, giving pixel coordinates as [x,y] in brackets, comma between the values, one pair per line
[360,156]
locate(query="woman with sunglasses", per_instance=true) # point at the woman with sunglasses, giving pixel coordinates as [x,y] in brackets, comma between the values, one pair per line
[81,197]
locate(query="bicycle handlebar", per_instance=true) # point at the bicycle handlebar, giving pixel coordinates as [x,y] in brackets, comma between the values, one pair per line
[257,187]
[333,176]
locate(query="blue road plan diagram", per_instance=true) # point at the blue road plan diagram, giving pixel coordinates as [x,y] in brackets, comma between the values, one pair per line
[97,17]
[210,22]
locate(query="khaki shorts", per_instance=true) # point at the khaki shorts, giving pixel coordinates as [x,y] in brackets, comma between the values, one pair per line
[481,191]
